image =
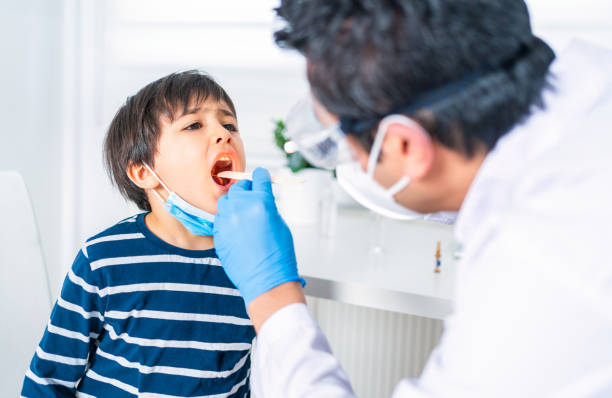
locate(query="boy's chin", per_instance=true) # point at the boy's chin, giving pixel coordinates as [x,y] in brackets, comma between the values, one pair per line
[212,209]
[208,203]
[220,190]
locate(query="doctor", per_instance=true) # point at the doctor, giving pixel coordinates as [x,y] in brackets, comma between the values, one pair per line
[449,105]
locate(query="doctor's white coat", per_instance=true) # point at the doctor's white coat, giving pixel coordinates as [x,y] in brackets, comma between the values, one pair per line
[533,296]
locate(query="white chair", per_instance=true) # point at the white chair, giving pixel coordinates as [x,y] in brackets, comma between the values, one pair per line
[25,300]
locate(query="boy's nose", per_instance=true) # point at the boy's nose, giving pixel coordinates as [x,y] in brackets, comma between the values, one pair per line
[221,136]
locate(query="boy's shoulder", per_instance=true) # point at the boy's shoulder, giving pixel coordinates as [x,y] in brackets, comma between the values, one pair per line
[125,226]
[124,230]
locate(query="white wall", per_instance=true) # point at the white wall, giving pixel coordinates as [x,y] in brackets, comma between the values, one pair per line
[30,110]
[559,21]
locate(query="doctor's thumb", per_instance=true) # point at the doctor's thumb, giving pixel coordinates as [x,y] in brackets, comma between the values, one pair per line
[262,180]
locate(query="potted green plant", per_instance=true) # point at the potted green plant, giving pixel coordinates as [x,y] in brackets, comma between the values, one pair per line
[295,161]
[307,203]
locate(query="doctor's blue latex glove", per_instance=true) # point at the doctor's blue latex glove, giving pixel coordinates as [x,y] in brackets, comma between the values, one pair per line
[252,241]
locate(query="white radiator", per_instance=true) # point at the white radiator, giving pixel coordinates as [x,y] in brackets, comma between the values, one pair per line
[376,348]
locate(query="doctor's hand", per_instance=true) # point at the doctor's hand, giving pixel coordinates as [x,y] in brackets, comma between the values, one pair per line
[252,241]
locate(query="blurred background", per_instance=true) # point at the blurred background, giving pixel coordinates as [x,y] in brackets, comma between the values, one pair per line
[67,65]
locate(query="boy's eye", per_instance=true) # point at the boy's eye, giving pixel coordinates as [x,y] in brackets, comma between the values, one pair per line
[194,126]
[230,127]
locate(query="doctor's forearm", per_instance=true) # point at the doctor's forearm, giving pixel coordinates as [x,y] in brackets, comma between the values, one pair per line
[264,306]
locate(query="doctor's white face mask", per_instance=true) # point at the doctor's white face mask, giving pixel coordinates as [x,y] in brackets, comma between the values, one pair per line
[365,189]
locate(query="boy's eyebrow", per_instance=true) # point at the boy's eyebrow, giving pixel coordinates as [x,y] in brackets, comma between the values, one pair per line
[226,112]
[191,111]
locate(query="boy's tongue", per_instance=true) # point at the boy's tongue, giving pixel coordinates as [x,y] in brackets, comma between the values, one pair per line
[220,165]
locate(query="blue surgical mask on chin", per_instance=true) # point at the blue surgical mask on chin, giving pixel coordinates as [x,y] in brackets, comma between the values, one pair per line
[196,220]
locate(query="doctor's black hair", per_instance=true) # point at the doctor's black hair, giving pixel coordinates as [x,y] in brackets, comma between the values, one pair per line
[466,70]
[134,132]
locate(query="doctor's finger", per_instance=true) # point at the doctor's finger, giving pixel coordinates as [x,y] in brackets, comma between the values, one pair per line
[222,206]
[262,180]
[242,185]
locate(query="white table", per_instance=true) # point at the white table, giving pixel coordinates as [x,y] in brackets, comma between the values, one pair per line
[346,267]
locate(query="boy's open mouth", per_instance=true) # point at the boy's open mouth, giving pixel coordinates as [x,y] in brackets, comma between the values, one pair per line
[223,163]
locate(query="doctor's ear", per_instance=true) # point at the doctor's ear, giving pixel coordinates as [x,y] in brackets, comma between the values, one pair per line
[141,176]
[409,146]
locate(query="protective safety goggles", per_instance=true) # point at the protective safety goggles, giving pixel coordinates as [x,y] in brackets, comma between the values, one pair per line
[322,146]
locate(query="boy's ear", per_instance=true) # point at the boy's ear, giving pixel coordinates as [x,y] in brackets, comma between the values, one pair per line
[141,176]
[411,148]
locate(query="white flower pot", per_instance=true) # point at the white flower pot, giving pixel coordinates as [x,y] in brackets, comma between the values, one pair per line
[302,204]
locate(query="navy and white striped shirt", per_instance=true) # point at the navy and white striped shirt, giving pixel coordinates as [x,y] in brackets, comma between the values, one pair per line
[140,317]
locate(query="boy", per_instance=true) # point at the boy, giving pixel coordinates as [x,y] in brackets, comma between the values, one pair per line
[146,309]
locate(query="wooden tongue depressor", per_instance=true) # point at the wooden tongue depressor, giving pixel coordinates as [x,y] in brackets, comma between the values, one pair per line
[238,175]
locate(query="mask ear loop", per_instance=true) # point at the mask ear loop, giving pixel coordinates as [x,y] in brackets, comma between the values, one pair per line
[160,181]
[377,145]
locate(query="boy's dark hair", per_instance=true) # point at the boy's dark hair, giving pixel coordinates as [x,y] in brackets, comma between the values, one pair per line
[467,70]
[134,132]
